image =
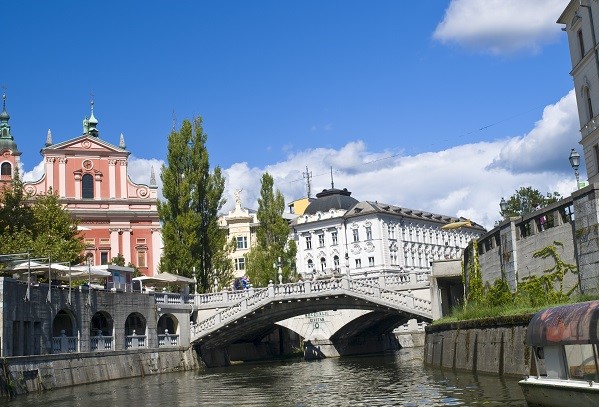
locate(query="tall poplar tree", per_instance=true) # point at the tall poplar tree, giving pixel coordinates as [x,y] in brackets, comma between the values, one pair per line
[272,238]
[193,197]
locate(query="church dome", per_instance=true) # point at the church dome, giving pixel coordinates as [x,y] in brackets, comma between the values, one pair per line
[4,115]
[331,199]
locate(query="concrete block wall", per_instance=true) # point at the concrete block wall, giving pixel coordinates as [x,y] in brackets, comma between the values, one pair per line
[491,346]
[22,375]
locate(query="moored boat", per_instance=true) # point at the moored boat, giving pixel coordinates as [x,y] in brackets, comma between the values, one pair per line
[564,342]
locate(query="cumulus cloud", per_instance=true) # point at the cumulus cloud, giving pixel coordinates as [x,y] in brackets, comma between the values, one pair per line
[548,144]
[500,26]
[467,180]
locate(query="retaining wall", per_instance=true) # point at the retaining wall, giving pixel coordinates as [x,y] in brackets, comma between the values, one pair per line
[19,375]
[494,345]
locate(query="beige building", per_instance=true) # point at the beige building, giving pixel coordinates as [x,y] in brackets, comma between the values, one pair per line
[241,226]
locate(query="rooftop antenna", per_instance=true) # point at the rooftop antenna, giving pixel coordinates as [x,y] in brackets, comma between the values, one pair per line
[332,182]
[307,175]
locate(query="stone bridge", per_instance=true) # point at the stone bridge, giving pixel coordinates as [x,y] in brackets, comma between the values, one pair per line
[248,316]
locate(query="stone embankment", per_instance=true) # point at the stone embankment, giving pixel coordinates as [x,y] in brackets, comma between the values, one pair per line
[24,374]
[493,345]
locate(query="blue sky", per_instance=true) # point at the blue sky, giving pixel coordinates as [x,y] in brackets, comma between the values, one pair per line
[444,106]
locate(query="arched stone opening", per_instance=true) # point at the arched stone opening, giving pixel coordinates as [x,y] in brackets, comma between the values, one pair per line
[168,330]
[101,331]
[135,331]
[64,332]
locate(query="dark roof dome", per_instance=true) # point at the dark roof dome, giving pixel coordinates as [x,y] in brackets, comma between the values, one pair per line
[4,115]
[331,199]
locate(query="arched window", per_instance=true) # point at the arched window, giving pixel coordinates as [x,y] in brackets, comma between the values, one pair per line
[336,262]
[323,263]
[87,186]
[310,265]
[6,169]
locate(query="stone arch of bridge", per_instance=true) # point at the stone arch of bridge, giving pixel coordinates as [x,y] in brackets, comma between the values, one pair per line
[254,325]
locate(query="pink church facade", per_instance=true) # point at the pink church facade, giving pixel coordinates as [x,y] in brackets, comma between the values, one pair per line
[116,215]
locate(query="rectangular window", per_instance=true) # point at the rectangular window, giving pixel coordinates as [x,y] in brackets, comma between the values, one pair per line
[103,258]
[371,261]
[334,237]
[368,233]
[242,242]
[240,263]
[393,259]
[141,258]
[321,240]
[391,230]
[336,262]
[358,263]
[308,242]
[580,43]
[581,362]
[356,235]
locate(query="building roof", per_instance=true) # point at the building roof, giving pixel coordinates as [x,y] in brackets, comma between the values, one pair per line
[366,207]
[331,199]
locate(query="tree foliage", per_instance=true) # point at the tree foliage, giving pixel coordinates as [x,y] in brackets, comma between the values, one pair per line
[273,248]
[40,226]
[526,200]
[189,215]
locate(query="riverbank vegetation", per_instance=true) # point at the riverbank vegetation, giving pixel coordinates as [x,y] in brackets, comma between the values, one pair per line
[482,301]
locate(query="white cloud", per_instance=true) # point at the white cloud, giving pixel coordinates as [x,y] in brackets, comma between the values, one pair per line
[548,144]
[501,26]
[467,180]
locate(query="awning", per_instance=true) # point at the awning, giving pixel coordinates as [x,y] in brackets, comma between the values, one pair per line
[165,278]
[565,325]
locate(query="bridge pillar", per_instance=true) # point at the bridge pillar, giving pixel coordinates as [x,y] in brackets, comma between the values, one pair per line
[214,357]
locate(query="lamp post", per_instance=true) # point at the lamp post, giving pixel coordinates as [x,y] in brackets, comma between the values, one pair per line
[277,264]
[503,207]
[347,264]
[575,163]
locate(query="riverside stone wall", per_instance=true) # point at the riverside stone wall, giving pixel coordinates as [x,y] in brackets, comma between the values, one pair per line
[20,375]
[495,345]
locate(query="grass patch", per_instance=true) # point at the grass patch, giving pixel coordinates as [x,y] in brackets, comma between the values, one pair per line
[474,312]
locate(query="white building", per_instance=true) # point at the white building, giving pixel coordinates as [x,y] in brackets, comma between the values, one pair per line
[581,18]
[337,233]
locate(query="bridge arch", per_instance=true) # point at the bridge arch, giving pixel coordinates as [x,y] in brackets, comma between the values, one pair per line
[135,324]
[167,323]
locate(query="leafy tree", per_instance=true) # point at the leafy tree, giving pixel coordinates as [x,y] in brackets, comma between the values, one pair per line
[193,197]
[273,247]
[526,200]
[40,226]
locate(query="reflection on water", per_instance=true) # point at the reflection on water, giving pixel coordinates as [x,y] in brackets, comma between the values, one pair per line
[395,379]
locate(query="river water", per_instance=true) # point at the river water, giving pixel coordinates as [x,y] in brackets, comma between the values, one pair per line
[394,379]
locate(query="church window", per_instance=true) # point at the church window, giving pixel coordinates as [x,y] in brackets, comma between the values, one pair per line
[580,44]
[87,186]
[587,96]
[141,258]
[6,169]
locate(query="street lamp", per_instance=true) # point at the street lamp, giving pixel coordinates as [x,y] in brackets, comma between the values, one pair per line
[278,264]
[347,264]
[575,163]
[503,206]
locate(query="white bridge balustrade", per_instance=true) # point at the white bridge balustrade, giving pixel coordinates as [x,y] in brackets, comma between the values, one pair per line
[135,341]
[393,281]
[173,298]
[342,286]
[166,339]
[64,343]
[100,343]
